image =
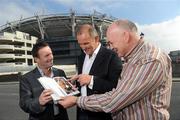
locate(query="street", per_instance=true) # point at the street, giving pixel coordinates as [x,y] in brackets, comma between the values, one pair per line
[10,110]
[9,102]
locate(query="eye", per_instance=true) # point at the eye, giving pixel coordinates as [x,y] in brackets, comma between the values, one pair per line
[109,45]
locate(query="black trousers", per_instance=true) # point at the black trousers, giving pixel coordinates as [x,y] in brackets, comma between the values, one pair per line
[83,116]
[60,117]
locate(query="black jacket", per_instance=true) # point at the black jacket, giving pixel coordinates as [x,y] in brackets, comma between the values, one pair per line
[106,70]
[30,90]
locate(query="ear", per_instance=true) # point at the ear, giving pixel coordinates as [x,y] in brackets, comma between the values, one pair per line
[36,59]
[97,39]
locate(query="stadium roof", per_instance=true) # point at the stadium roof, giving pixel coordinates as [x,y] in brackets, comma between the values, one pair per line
[56,25]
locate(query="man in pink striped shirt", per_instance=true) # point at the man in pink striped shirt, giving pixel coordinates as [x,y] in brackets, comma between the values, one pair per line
[144,90]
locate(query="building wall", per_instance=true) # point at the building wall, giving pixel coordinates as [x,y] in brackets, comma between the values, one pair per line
[175,57]
[15,51]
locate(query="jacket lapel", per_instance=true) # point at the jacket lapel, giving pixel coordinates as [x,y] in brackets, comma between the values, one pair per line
[55,72]
[80,62]
[99,58]
[36,73]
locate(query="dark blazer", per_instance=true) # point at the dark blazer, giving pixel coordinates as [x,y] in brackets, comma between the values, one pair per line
[30,90]
[106,70]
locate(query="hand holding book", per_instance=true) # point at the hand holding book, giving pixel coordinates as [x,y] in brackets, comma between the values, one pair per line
[59,85]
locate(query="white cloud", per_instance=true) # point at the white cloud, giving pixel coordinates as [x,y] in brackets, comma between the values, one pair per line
[17,9]
[10,12]
[166,35]
[90,5]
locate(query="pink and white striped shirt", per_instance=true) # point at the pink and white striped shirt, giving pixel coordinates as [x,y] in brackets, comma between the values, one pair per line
[144,90]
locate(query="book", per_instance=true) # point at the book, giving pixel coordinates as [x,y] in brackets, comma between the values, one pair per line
[60,86]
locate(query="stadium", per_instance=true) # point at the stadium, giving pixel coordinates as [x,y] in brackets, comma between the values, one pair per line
[57,29]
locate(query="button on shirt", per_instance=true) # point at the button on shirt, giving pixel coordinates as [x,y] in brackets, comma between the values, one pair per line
[88,62]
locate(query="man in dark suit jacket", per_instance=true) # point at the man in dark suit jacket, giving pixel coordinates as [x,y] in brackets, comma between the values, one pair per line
[98,68]
[33,98]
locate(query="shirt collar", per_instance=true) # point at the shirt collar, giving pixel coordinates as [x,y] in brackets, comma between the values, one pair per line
[41,72]
[97,49]
[134,50]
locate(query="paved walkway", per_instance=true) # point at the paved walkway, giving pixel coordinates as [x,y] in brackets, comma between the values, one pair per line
[17,82]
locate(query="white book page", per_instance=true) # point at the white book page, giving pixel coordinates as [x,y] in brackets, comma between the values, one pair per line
[50,83]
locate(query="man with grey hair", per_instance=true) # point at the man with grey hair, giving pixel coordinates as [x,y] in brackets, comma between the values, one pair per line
[144,90]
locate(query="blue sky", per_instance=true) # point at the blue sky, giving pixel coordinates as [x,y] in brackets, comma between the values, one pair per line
[158,19]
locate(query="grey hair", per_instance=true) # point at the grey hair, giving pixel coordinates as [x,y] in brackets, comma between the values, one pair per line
[93,30]
[127,25]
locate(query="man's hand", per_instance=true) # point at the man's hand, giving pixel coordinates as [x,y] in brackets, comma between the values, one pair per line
[68,101]
[73,78]
[45,97]
[84,79]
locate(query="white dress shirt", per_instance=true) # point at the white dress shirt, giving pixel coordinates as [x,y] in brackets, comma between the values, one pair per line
[88,62]
[55,106]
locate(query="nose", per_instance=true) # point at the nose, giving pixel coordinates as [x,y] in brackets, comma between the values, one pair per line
[51,56]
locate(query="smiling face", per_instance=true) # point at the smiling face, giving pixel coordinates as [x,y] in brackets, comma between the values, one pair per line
[117,41]
[87,42]
[45,58]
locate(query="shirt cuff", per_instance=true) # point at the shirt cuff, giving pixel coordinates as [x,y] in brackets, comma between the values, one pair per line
[91,82]
[80,101]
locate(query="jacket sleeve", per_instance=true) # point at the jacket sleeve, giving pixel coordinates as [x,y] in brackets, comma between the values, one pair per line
[28,102]
[109,81]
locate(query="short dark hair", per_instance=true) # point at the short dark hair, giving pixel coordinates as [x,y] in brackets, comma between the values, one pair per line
[40,44]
